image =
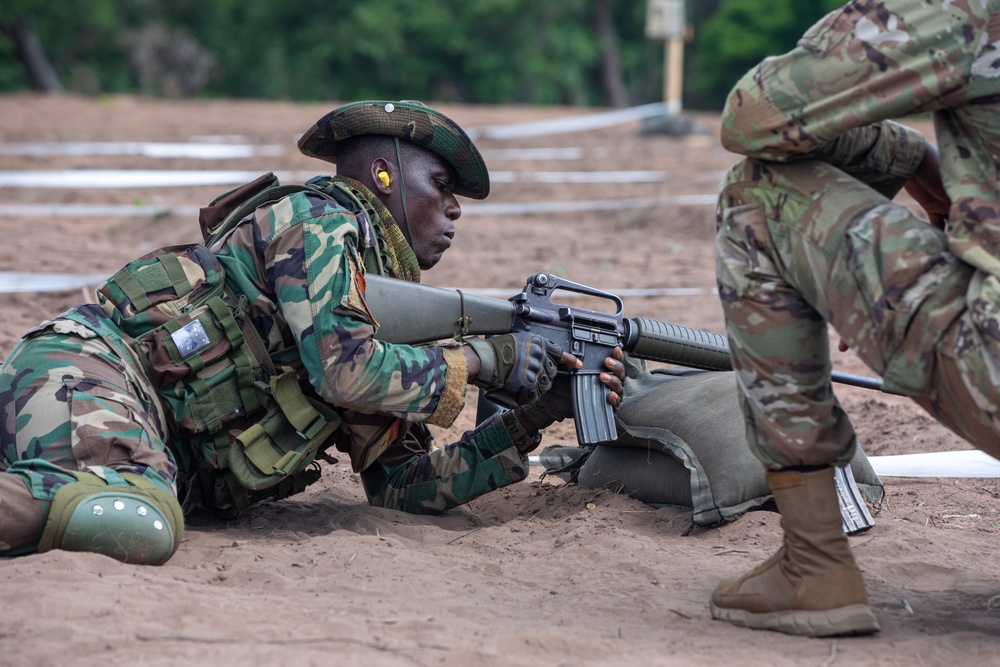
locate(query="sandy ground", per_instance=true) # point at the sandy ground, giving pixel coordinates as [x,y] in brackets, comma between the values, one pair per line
[540,573]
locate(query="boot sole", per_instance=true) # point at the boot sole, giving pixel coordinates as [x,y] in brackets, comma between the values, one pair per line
[853,619]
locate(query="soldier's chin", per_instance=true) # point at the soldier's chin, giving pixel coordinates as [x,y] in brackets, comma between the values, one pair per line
[426,263]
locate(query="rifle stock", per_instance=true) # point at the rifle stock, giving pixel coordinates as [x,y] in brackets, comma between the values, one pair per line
[413,313]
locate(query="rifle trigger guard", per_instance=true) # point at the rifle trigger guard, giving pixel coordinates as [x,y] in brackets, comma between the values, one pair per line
[463,320]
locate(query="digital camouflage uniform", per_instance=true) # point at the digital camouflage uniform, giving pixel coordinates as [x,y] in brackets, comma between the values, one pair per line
[76,403]
[808,235]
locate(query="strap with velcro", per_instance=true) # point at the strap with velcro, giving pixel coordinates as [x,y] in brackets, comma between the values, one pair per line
[285,440]
[132,289]
[242,357]
[175,273]
[166,271]
[308,422]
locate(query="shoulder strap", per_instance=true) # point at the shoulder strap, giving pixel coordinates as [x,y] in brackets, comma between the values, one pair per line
[211,217]
[229,208]
[337,192]
[368,235]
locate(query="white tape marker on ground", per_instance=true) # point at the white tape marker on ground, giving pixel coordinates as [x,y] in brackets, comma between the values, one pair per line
[132,178]
[230,151]
[14,281]
[567,125]
[468,208]
[166,178]
[151,149]
[11,281]
[970,463]
[935,464]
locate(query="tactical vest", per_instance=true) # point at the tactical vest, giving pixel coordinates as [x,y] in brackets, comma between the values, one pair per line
[232,417]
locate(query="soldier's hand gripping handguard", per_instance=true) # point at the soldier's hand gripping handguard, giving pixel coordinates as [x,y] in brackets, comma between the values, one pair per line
[515,368]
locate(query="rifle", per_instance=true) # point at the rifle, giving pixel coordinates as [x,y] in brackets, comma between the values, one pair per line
[413,313]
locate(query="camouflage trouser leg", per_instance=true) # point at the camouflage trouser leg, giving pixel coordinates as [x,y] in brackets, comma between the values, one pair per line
[432,482]
[804,244]
[70,404]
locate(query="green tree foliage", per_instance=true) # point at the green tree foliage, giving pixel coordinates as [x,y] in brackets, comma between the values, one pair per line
[478,51]
[82,39]
[739,34]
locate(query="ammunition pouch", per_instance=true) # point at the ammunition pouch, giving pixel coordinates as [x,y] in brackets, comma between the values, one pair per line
[285,440]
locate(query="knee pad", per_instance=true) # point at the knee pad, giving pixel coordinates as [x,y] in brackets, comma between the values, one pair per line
[140,523]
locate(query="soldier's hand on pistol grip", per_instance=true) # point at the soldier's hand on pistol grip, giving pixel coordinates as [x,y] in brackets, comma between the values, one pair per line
[557,403]
[519,365]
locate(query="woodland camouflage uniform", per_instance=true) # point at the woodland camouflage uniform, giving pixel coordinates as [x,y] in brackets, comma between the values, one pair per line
[76,404]
[807,233]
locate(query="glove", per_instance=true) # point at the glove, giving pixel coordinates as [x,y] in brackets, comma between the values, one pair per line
[520,366]
[554,405]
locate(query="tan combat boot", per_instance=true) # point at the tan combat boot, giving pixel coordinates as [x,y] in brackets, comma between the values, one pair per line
[812,585]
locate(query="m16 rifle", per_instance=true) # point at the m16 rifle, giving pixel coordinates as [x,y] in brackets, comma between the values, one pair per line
[412,313]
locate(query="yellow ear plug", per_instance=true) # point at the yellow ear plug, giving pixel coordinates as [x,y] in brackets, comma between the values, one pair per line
[384,177]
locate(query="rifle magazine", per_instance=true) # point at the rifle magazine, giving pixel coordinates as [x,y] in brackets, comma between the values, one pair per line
[592,414]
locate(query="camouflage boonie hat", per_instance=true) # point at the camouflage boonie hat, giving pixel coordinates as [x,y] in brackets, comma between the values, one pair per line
[409,120]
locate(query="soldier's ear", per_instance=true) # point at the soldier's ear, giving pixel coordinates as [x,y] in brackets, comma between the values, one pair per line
[382,176]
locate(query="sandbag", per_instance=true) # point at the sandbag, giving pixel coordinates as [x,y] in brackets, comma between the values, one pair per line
[682,441]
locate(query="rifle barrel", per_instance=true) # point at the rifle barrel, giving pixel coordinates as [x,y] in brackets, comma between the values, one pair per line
[862,381]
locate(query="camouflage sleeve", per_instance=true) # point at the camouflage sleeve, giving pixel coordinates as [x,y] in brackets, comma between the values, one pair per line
[317,276]
[832,97]
[436,480]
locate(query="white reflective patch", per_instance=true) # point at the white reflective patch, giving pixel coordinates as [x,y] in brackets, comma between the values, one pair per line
[190,338]
[868,31]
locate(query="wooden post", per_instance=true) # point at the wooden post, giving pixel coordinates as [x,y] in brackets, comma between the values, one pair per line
[674,67]
[666,20]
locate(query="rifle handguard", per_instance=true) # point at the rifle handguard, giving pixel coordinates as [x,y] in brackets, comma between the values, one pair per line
[659,341]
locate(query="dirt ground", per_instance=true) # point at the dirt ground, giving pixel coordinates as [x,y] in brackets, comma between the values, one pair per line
[539,573]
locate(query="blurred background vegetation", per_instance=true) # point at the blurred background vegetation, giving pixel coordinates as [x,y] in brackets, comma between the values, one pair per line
[573,52]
